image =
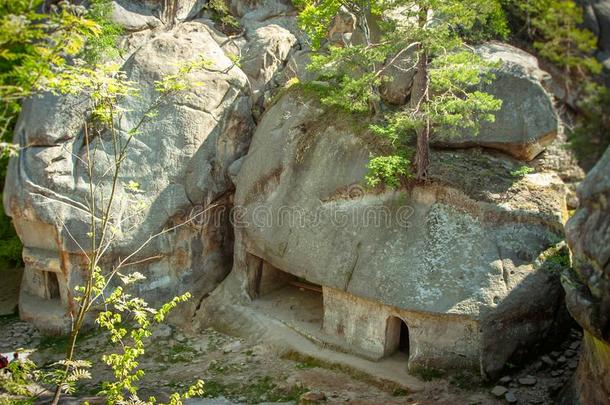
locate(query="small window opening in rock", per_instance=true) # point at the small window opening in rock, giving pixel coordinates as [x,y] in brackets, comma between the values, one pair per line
[52,285]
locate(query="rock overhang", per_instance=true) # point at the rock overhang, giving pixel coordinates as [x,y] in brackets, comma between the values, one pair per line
[463,246]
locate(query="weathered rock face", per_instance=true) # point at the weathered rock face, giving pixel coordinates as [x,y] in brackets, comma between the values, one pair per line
[180,161]
[527,121]
[138,15]
[460,259]
[461,249]
[270,40]
[267,50]
[396,88]
[588,288]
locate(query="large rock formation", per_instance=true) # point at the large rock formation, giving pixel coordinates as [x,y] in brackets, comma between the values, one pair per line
[588,287]
[458,259]
[180,159]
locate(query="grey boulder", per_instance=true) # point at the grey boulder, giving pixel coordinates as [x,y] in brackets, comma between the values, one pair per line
[527,121]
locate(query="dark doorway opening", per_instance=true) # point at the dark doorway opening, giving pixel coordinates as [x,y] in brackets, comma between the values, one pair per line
[403,342]
[52,285]
[397,336]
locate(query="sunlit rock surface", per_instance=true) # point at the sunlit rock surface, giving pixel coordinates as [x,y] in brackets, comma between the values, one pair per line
[588,287]
[460,259]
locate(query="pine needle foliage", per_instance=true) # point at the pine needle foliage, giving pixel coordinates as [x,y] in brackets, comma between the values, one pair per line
[446,95]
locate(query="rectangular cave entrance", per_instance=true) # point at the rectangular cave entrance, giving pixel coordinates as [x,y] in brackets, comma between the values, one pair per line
[52,286]
[292,300]
[397,336]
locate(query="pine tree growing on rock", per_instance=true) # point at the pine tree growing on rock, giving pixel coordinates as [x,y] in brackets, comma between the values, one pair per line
[430,37]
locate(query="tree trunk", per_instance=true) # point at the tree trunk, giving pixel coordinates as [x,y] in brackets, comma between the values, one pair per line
[419,98]
[169,12]
[422,156]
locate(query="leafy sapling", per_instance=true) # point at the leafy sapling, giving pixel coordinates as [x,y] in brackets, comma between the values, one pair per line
[127,318]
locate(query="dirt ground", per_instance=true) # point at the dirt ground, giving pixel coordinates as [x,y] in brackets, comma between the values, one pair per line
[238,371]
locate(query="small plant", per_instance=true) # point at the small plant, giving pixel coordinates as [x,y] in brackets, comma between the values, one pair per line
[522,171]
[130,338]
[127,319]
[214,389]
[21,374]
[387,170]
[182,352]
[400,392]
[555,259]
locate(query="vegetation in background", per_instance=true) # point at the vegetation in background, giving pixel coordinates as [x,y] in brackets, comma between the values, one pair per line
[590,136]
[222,15]
[445,93]
[32,47]
[10,245]
[104,44]
[555,27]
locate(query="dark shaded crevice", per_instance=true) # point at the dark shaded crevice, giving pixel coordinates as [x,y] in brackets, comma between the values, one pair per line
[353,268]
[505,275]
[198,307]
